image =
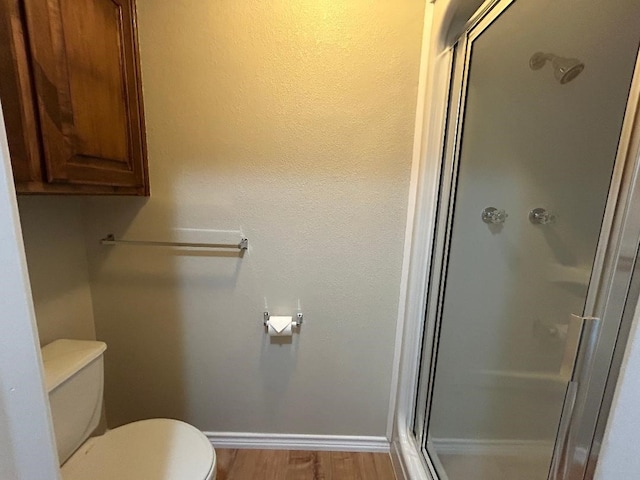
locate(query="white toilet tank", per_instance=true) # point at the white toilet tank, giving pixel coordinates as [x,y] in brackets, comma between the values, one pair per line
[74,377]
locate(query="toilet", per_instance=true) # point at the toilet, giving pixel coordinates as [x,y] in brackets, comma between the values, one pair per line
[156,449]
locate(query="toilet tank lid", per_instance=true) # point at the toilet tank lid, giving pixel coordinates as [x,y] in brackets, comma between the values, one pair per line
[63,358]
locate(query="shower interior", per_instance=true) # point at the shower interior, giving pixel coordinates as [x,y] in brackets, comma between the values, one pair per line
[537,152]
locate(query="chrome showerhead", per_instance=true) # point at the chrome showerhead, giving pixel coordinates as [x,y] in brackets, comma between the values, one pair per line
[564,69]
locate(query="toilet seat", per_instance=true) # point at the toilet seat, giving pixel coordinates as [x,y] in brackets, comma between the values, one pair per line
[157,449]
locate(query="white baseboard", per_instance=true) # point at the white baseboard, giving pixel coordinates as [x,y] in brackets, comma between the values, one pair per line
[279,441]
[459,446]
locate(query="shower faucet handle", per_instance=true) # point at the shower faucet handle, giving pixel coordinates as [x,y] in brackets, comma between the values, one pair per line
[541,216]
[494,216]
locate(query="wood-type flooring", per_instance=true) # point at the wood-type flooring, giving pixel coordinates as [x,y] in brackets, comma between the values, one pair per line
[302,465]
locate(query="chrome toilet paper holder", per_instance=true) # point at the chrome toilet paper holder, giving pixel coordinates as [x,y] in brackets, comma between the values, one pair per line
[296,323]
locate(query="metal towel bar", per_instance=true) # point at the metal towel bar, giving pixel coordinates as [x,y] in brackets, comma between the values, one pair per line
[111,240]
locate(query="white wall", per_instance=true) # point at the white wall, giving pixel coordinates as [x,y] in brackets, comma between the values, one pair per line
[619,455]
[292,121]
[54,243]
[26,440]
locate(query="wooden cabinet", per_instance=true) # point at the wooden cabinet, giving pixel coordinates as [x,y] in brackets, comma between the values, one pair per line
[71,96]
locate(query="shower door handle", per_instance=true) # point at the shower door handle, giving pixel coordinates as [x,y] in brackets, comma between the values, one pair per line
[582,339]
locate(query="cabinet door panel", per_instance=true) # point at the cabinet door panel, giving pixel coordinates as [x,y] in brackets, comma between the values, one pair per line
[86,81]
[16,91]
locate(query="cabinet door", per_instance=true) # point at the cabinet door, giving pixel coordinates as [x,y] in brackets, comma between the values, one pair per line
[86,75]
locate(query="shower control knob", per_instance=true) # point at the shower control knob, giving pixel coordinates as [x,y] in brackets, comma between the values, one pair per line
[540,216]
[494,216]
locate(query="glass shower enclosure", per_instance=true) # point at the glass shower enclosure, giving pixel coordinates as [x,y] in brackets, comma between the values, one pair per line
[537,103]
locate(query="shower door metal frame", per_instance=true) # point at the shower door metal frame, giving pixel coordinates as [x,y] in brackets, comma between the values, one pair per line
[614,290]
[612,296]
[487,13]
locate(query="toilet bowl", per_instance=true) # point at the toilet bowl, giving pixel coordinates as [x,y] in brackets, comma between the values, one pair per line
[156,449]
[148,449]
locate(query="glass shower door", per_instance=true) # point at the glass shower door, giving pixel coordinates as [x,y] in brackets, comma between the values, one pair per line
[543,87]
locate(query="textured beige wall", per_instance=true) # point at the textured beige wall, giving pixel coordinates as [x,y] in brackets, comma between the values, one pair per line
[58,271]
[292,121]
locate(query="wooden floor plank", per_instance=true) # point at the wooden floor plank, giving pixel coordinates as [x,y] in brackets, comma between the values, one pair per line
[384,467]
[369,468]
[324,465]
[224,462]
[345,465]
[302,465]
[258,464]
